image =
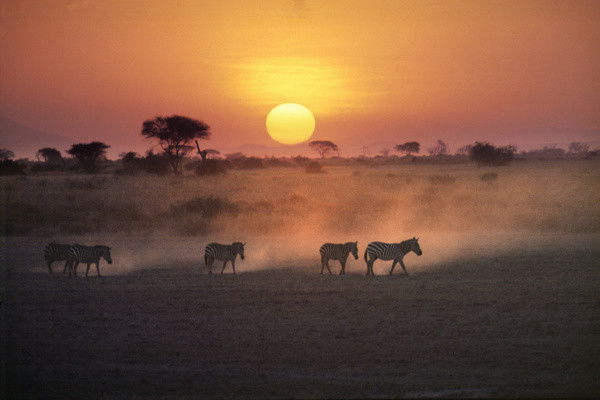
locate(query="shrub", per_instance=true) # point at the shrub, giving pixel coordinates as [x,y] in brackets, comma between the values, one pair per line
[487,154]
[208,207]
[11,167]
[489,177]
[249,163]
[276,162]
[211,167]
[85,184]
[441,179]
[313,167]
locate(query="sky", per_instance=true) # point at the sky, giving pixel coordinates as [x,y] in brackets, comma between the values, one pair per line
[374,73]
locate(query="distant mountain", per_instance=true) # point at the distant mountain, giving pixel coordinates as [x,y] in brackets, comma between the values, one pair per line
[25,141]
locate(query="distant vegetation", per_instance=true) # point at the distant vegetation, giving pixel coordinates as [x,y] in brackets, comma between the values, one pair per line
[175,135]
[88,154]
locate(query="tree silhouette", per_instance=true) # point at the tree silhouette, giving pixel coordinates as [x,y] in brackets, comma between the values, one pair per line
[408,148]
[6,155]
[487,154]
[49,155]
[440,149]
[323,147]
[579,148]
[88,154]
[175,135]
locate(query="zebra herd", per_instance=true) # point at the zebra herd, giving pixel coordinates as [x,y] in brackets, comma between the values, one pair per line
[75,254]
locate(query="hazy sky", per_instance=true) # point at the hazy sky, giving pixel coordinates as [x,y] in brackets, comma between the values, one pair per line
[373,72]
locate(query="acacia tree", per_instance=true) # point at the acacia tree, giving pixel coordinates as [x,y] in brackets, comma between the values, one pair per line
[175,135]
[408,148]
[323,147]
[88,154]
[49,155]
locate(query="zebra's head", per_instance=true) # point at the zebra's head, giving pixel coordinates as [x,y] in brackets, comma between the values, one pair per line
[353,247]
[414,246]
[105,253]
[239,248]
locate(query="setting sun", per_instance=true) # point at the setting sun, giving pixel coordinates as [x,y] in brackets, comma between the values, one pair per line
[290,123]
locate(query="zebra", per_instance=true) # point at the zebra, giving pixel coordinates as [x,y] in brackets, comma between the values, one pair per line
[89,255]
[222,252]
[56,252]
[340,252]
[391,251]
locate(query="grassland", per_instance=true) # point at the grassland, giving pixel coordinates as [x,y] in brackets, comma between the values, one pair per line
[502,303]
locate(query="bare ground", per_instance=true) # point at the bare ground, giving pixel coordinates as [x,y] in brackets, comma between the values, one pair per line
[507,325]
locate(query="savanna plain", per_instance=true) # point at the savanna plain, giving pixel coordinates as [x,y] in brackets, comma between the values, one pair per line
[504,301]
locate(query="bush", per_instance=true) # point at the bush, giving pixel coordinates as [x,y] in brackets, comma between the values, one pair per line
[11,167]
[85,184]
[313,167]
[487,154]
[489,177]
[45,167]
[211,167]
[208,207]
[276,162]
[249,163]
[441,179]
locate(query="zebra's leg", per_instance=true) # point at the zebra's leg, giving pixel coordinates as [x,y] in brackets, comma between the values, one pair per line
[74,267]
[327,265]
[87,270]
[233,265]
[209,262]
[67,265]
[372,261]
[343,264]
[322,265]
[403,267]
[50,267]
[224,265]
[393,266]
[98,267]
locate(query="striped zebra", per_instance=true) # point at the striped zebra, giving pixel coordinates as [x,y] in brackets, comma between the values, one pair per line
[390,251]
[222,252]
[88,255]
[56,252]
[340,252]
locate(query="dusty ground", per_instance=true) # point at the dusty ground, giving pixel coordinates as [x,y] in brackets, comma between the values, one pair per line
[505,324]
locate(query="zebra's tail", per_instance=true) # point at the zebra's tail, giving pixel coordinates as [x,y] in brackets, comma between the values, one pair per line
[366,255]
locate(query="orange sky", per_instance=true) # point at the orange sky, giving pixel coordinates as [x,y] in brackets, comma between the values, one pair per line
[374,73]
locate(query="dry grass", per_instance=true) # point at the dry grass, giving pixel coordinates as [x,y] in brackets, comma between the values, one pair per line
[559,197]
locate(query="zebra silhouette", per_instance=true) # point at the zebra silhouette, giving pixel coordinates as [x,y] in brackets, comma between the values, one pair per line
[88,255]
[390,251]
[223,252]
[56,252]
[340,252]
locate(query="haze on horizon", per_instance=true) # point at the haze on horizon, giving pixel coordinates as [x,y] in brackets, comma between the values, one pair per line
[385,71]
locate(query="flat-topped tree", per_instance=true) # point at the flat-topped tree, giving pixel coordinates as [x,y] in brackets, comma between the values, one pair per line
[323,147]
[88,154]
[175,135]
[408,148]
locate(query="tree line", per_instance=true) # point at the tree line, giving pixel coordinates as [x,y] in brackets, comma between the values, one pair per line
[177,136]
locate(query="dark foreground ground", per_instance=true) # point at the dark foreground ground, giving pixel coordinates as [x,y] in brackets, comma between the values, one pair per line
[503,326]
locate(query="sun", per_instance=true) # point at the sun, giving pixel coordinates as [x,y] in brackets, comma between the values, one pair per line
[290,123]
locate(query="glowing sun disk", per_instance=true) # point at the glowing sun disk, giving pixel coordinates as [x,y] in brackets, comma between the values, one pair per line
[290,123]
